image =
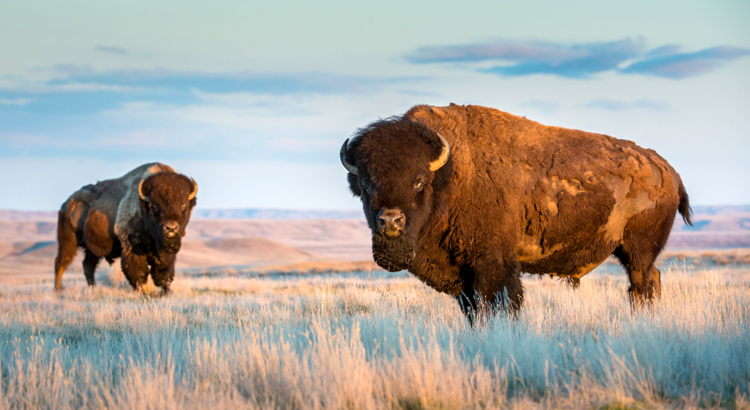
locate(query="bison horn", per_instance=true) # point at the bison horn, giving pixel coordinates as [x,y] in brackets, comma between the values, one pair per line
[438,163]
[195,190]
[140,192]
[342,154]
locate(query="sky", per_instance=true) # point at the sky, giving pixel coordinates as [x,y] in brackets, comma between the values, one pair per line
[253,99]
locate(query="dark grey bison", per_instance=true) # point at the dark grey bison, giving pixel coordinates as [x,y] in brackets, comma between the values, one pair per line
[467,197]
[140,217]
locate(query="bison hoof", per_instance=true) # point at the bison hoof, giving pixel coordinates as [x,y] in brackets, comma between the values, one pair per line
[163,293]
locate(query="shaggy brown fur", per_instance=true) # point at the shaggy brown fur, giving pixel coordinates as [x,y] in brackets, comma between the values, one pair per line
[110,220]
[515,196]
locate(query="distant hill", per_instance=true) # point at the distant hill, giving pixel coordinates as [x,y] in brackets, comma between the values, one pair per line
[713,227]
[251,213]
[299,240]
[6,215]
[199,213]
[720,209]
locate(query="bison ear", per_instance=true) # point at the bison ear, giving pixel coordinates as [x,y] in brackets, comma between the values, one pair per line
[353,184]
[144,198]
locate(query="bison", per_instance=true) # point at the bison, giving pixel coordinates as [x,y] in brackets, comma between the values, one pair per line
[140,217]
[468,197]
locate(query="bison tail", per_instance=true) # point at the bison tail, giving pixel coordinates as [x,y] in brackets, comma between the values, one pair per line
[685,210]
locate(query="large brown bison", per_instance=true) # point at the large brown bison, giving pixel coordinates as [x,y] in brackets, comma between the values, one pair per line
[139,217]
[468,197]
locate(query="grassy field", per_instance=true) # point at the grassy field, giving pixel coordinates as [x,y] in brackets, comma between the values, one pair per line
[375,341]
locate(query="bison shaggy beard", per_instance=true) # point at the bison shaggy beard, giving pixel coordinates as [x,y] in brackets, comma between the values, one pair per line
[172,245]
[392,254]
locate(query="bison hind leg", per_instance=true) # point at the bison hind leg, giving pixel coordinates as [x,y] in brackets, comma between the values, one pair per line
[67,244]
[643,239]
[89,267]
[645,278]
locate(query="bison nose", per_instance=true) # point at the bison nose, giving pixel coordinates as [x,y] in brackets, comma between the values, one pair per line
[170,228]
[391,221]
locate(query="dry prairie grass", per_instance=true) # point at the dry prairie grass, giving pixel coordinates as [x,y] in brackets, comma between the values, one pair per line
[352,342]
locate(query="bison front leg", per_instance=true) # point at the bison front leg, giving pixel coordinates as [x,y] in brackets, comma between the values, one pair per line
[468,298]
[498,281]
[135,269]
[162,272]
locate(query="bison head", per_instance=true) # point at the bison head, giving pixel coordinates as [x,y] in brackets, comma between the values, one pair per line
[393,168]
[166,200]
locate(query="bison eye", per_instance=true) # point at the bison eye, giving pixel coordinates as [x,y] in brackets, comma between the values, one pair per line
[184,207]
[418,186]
[155,208]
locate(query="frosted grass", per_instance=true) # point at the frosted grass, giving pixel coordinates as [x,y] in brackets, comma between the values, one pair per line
[351,342]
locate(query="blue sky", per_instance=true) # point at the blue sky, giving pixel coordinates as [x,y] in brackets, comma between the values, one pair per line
[254,99]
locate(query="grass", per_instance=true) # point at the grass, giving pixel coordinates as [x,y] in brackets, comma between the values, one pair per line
[351,342]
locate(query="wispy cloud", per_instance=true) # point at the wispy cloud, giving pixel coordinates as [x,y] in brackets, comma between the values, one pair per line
[581,60]
[55,87]
[77,89]
[25,141]
[616,105]
[683,65]
[507,50]
[232,82]
[15,101]
[112,50]
[664,51]
[537,57]
[547,107]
